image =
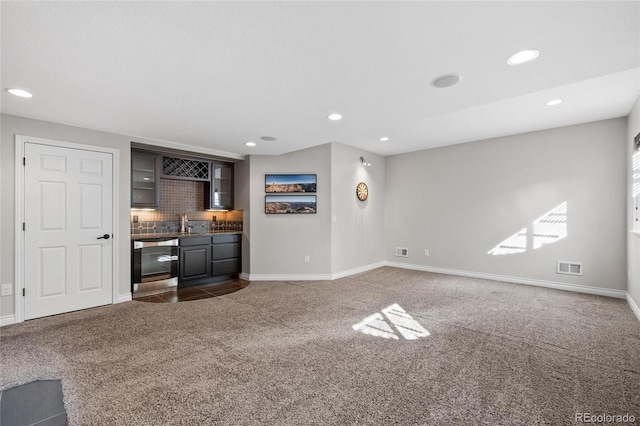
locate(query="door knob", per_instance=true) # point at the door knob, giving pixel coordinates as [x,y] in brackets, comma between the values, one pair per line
[105,237]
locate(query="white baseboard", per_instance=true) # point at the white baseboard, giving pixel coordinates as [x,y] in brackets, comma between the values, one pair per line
[126,297]
[633,305]
[358,270]
[8,320]
[289,277]
[311,277]
[11,319]
[618,294]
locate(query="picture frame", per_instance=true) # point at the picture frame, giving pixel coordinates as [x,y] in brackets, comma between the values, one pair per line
[290,183]
[290,204]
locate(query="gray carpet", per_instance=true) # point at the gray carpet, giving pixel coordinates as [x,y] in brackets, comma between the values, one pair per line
[286,353]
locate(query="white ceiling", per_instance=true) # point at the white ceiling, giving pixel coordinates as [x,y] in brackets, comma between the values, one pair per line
[217,74]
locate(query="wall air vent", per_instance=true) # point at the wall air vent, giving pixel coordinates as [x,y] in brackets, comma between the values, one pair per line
[186,169]
[402,252]
[569,268]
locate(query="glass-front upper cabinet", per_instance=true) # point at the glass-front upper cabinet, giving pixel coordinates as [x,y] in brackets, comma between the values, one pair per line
[145,191]
[219,194]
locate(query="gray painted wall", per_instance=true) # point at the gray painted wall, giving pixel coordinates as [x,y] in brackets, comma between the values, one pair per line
[279,242]
[458,202]
[461,201]
[345,233]
[633,252]
[357,231]
[11,126]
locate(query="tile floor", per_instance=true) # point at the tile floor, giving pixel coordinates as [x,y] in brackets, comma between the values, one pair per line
[196,292]
[37,403]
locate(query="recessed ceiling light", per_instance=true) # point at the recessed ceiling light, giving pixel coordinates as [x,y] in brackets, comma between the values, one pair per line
[554,102]
[334,117]
[522,57]
[268,138]
[384,139]
[19,92]
[250,143]
[446,80]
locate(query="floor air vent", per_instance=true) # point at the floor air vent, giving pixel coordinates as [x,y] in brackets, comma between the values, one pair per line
[570,268]
[402,252]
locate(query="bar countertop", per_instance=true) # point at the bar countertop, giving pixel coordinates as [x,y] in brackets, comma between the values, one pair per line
[163,235]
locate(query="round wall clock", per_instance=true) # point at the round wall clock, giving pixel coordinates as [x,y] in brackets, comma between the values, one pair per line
[362,192]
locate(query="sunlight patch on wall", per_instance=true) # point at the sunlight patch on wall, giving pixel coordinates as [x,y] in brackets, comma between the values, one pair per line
[551,227]
[517,243]
[375,325]
[547,229]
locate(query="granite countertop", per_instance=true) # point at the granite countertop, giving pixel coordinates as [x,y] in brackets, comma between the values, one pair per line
[179,234]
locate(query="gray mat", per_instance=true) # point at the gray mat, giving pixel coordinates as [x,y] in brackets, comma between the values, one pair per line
[286,353]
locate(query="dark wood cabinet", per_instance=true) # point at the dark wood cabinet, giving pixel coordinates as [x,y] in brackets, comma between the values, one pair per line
[218,191]
[145,172]
[195,266]
[147,167]
[225,256]
[208,259]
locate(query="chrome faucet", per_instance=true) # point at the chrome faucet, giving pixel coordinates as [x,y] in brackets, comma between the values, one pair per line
[183,220]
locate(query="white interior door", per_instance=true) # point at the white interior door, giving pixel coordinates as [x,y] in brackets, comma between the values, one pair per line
[68,197]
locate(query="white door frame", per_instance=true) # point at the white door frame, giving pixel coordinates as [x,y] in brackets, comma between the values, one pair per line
[20,141]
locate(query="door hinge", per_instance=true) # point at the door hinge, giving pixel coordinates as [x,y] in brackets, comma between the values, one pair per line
[24,226]
[24,161]
[23,292]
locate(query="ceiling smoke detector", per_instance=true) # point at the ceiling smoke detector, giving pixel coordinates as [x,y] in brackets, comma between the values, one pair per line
[446,80]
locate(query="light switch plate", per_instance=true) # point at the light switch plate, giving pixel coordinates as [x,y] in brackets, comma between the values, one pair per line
[7,290]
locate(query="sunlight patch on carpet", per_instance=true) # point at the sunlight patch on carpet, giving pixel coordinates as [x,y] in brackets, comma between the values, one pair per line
[406,326]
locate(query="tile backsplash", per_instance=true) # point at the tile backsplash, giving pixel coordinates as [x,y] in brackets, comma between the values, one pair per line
[179,197]
[197,226]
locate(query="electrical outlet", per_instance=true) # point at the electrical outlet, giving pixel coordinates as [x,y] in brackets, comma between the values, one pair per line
[426,252]
[7,290]
[306,259]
